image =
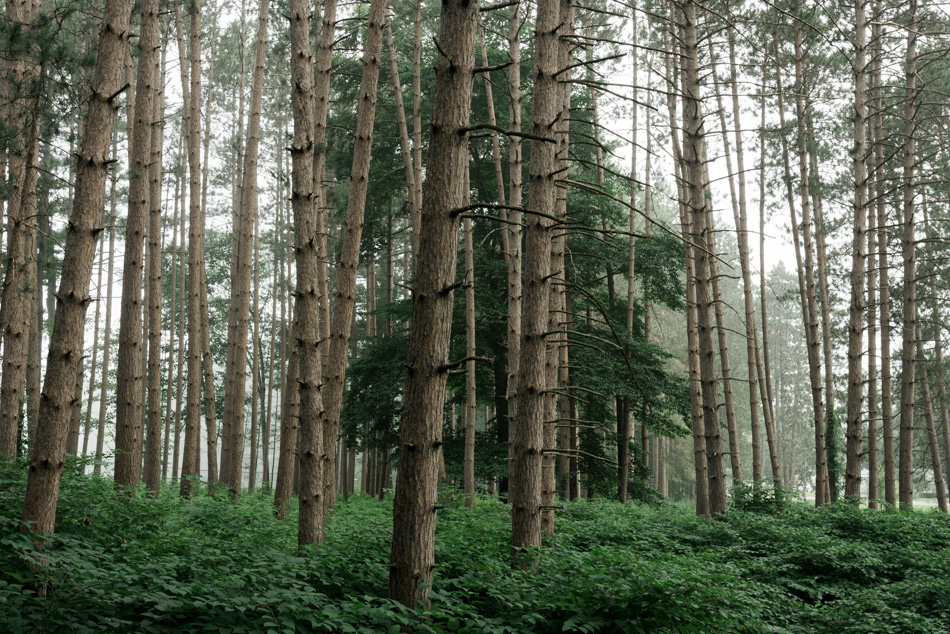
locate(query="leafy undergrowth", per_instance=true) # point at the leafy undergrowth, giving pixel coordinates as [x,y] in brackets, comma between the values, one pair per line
[215,566]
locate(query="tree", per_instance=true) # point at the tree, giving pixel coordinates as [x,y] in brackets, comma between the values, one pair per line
[420,439]
[189,469]
[21,87]
[85,225]
[241,287]
[130,361]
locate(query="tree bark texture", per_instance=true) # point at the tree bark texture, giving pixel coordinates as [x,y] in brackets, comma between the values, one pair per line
[420,442]
[85,224]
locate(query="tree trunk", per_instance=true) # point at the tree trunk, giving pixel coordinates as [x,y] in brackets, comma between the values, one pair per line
[877,126]
[515,190]
[469,425]
[344,304]
[931,426]
[85,224]
[695,384]
[107,337]
[172,322]
[806,290]
[909,254]
[694,160]
[255,368]
[234,399]
[130,361]
[323,66]
[189,468]
[153,441]
[414,508]
[873,488]
[18,299]
[853,453]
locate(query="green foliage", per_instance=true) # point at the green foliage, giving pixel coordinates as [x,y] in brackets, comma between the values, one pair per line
[163,565]
[764,496]
[834,452]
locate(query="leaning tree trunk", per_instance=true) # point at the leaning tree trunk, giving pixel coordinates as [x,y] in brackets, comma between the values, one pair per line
[82,231]
[129,364]
[345,297]
[927,405]
[809,310]
[420,443]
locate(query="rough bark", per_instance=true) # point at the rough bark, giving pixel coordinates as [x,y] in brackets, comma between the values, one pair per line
[153,439]
[244,232]
[130,360]
[927,405]
[853,452]
[189,467]
[469,420]
[909,255]
[695,385]
[85,224]
[698,203]
[420,442]
[344,303]
[17,315]
[806,288]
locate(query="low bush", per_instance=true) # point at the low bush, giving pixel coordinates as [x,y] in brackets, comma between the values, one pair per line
[143,565]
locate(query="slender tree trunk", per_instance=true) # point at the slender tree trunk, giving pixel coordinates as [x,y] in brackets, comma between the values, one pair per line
[85,223]
[95,348]
[18,298]
[130,362]
[335,373]
[526,431]
[877,126]
[515,191]
[153,441]
[241,284]
[853,453]
[172,322]
[806,293]
[107,337]
[469,425]
[420,442]
[927,405]
[873,488]
[255,368]
[909,255]
[740,216]
[695,384]
[694,158]
[189,468]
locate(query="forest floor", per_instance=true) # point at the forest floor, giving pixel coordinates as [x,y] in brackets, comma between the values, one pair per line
[119,565]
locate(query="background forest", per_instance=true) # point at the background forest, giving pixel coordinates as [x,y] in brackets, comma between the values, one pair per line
[275,260]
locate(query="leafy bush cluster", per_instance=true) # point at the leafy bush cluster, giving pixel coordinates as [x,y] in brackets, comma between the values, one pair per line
[163,565]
